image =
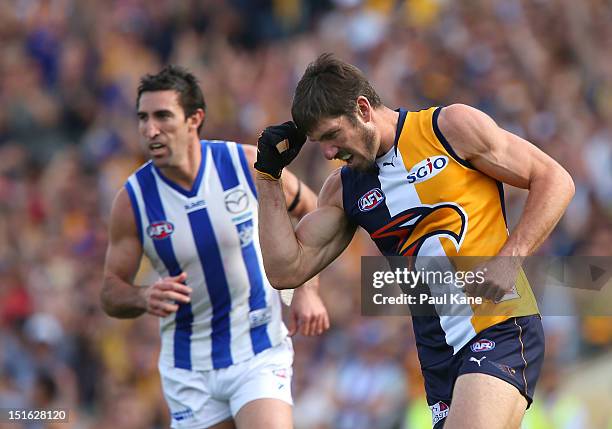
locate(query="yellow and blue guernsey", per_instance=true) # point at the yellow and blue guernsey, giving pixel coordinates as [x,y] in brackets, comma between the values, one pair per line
[210,232]
[424,200]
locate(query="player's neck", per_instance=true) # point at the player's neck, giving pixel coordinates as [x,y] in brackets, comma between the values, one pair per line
[184,174]
[387,124]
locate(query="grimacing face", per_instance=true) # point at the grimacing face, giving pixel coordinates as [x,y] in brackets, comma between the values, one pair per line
[353,142]
[163,128]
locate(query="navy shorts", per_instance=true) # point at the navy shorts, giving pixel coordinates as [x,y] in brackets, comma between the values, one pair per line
[512,350]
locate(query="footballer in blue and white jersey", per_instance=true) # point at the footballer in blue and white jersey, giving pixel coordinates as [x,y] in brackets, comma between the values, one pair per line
[226,356]
[209,232]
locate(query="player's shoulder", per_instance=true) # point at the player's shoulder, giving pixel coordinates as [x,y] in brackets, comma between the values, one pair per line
[124,221]
[458,118]
[122,203]
[468,131]
[250,151]
[138,184]
[331,192]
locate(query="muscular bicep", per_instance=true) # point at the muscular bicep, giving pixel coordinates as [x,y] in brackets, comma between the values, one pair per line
[475,137]
[124,248]
[324,233]
[323,236]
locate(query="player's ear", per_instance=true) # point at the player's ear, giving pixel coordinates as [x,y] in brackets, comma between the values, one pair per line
[196,119]
[364,109]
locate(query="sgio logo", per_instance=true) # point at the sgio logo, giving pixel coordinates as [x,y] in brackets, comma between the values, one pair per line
[160,230]
[427,169]
[371,199]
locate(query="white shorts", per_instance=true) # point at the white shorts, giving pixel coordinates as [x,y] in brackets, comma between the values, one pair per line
[200,399]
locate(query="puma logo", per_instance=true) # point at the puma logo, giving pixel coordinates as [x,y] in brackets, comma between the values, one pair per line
[473,359]
[390,162]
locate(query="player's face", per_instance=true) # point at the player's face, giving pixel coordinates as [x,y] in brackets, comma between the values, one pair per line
[163,127]
[353,142]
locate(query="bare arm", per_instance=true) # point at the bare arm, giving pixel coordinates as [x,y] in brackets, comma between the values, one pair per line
[292,257]
[510,159]
[308,314]
[120,297]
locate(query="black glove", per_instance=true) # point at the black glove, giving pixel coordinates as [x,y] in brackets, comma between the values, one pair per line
[277,146]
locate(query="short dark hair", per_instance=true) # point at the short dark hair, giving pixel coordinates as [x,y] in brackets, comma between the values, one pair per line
[329,88]
[179,79]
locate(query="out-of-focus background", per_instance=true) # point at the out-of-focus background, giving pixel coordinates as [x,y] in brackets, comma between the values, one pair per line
[68,139]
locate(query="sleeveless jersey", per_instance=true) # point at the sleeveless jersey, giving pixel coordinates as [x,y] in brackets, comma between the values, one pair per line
[422,199]
[210,232]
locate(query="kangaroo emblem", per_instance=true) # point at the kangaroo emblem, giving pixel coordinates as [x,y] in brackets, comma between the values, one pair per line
[473,359]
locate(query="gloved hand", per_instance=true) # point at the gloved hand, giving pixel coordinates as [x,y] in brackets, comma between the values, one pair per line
[277,146]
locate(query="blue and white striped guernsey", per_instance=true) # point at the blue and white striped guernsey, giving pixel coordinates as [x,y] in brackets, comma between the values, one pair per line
[210,232]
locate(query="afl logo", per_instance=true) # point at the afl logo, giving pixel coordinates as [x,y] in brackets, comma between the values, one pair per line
[371,200]
[482,346]
[427,169]
[160,230]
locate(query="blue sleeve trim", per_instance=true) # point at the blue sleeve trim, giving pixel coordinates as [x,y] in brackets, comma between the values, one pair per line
[246,170]
[502,200]
[445,143]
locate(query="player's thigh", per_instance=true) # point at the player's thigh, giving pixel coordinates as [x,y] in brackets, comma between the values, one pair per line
[481,401]
[262,385]
[265,376]
[265,413]
[191,401]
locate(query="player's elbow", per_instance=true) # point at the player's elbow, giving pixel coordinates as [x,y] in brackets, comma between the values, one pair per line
[565,184]
[552,178]
[282,273]
[111,302]
[571,187]
[111,311]
[282,282]
[286,279]
[106,302]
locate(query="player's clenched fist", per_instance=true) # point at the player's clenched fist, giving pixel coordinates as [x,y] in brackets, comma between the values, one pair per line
[277,146]
[163,297]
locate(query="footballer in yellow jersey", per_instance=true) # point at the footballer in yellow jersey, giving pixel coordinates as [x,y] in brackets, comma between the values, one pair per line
[426,183]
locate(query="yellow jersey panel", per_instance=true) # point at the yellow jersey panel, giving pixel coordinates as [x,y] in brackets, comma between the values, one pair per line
[440,176]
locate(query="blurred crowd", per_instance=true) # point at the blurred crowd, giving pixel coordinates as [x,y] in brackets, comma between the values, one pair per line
[68,140]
